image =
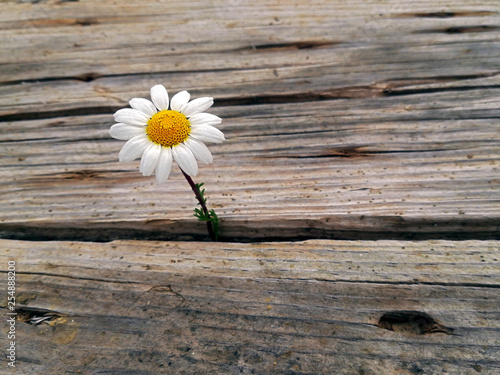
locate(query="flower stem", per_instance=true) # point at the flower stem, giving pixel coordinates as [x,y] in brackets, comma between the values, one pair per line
[201,200]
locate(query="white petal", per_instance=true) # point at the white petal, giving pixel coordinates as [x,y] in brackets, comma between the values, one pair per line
[131,116]
[164,165]
[199,150]
[150,159]
[179,100]
[151,144]
[204,119]
[197,106]
[159,96]
[185,158]
[207,133]
[134,148]
[143,105]
[126,131]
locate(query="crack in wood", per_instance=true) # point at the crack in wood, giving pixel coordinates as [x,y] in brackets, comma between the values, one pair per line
[431,90]
[90,111]
[92,76]
[397,82]
[374,90]
[379,282]
[78,277]
[291,46]
[78,175]
[444,14]
[471,29]
[460,29]
[168,289]
[349,152]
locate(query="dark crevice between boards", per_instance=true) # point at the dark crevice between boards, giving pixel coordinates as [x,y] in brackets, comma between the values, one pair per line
[374,228]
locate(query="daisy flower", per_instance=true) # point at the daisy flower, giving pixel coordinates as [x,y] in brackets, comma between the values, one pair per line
[163,130]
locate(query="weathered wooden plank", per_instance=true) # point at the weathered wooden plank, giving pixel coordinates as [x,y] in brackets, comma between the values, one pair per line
[134,307]
[346,171]
[374,119]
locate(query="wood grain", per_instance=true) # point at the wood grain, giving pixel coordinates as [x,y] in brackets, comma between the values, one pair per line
[313,307]
[373,120]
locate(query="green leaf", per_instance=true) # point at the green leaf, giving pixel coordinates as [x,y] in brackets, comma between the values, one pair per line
[210,216]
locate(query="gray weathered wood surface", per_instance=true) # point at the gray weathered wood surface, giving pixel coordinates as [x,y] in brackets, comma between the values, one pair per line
[352,120]
[313,307]
[372,118]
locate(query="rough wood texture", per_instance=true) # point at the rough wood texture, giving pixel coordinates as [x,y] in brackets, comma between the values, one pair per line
[344,120]
[313,307]
[373,118]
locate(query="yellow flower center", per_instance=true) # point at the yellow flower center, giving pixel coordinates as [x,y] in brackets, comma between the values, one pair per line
[168,128]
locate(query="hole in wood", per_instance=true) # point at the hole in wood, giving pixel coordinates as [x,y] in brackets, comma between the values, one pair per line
[411,323]
[36,316]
